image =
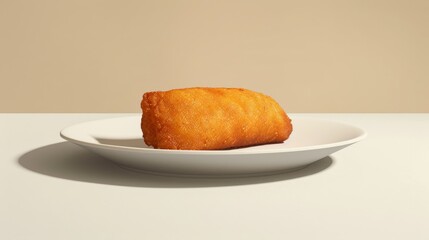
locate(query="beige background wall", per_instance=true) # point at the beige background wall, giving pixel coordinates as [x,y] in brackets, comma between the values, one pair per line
[312,56]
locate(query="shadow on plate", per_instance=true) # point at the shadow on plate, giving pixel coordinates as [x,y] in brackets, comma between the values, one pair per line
[137,142]
[68,161]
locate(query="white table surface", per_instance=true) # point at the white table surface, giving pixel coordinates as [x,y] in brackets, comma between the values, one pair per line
[375,189]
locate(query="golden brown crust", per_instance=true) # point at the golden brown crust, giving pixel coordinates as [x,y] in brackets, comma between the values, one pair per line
[212,118]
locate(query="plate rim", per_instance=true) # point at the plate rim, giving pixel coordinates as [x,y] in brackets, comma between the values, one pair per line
[362,135]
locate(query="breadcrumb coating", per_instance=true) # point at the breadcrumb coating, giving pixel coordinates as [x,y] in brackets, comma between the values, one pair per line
[212,119]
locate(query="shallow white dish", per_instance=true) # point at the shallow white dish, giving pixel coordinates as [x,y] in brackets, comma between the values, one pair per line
[120,140]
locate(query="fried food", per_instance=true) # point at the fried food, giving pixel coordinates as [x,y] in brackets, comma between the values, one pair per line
[211,119]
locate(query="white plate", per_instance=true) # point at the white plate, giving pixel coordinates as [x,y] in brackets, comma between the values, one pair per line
[120,140]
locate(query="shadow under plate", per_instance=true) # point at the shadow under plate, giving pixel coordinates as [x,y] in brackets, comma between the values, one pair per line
[68,161]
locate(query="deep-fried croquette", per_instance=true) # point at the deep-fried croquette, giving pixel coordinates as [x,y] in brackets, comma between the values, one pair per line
[212,118]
